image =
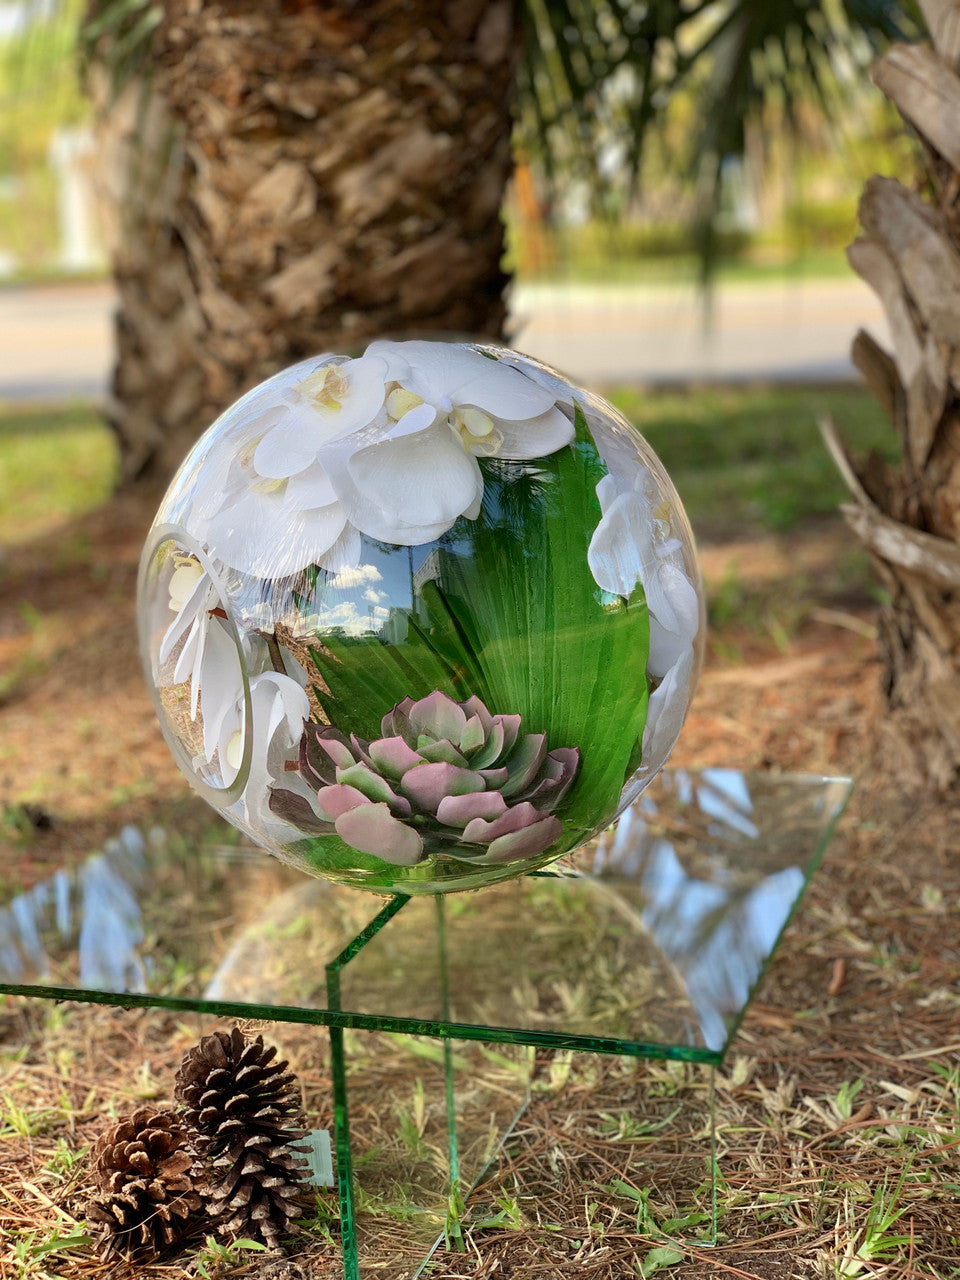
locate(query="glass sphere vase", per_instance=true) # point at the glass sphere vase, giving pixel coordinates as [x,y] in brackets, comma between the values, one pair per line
[420,620]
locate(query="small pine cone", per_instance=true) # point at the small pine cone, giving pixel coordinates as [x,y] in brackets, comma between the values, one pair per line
[142,1169]
[243,1111]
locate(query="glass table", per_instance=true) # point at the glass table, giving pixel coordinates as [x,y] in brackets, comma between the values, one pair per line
[648,944]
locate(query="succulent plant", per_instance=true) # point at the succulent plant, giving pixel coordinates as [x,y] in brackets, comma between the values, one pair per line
[444,778]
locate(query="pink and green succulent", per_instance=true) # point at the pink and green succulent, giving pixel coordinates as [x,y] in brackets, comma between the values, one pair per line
[445,778]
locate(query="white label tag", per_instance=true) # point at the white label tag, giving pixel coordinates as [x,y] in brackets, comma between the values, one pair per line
[319,1156]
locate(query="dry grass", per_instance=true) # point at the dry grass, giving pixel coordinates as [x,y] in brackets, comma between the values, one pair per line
[838,1109]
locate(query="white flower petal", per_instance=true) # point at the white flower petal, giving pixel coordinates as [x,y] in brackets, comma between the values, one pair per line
[291,445]
[502,391]
[404,487]
[190,655]
[344,554]
[311,488]
[265,535]
[666,647]
[536,437]
[221,687]
[358,403]
[417,419]
[560,390]
[194,604]
[666,711]
[440,371]
[621,548]
[607,493]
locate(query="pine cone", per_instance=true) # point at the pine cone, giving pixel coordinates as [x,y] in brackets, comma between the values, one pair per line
[243,1110]
[142,1168]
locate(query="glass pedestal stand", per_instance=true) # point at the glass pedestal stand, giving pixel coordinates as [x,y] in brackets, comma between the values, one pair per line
[647,945]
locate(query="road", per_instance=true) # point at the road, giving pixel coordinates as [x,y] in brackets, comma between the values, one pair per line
[55,341]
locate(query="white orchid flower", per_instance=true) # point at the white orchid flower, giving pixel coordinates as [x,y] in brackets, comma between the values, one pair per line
[386,445]
[193,597]
[279,707]
[209,660]
[449,405]
[630,545]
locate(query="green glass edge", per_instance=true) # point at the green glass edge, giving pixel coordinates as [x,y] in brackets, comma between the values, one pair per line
[366,934]
[371,1022]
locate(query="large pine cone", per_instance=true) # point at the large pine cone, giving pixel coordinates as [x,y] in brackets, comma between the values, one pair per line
[243,1111]
[142,1168]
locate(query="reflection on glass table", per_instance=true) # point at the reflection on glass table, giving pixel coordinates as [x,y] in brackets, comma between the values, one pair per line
[648,942]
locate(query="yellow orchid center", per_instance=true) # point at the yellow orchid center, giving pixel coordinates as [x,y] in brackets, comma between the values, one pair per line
[268,485]
[326,387]
[475,431]
[234,752]
[184,578]
[401,401]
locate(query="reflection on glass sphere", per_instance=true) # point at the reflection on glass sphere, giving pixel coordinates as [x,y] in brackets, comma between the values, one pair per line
[421,620]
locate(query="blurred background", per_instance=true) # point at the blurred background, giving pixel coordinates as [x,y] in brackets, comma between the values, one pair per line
[604,237]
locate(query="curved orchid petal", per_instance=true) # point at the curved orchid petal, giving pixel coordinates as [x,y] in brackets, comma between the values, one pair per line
[535,437]
[666,710]
[267,536]
[452,374]
[403,486]
[291,445]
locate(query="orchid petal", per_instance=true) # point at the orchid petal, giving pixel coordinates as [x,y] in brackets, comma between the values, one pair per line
[666,710]
[267,537]
[621,550]
[290,446]
[221,687]
[421,480]
[535,437]
[310,488]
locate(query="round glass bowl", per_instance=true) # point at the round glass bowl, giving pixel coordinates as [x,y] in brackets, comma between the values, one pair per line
[420,620]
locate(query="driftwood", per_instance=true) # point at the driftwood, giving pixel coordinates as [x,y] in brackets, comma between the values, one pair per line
[909,516]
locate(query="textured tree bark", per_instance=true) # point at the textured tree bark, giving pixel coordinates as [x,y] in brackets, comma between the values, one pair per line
[909,515]
[311,177]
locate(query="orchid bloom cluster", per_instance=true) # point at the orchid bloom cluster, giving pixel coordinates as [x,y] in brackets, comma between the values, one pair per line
[387,447]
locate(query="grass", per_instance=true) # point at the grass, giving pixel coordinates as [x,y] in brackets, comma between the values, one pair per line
[55,464]
[631,253]
[751,460]
[743,460]
[839,1139]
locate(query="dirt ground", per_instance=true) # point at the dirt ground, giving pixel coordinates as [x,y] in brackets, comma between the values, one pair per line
[840,1101]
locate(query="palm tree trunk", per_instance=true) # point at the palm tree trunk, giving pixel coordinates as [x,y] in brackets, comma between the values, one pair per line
[321,175]
[909,515]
